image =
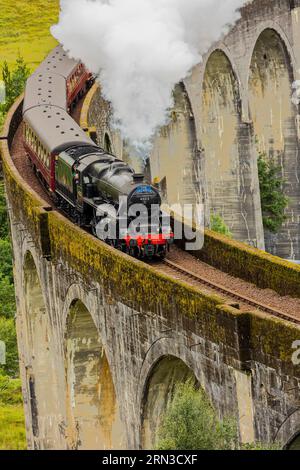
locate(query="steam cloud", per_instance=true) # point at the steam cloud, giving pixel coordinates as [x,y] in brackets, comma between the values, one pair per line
[141,49]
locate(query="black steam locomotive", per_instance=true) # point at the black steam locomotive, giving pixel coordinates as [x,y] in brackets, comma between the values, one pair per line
[89,184]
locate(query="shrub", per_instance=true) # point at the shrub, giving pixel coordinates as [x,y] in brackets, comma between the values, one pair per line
[218,225]
[273,200]
[4,230]
[7,296]
[14,81]
[10,391]
[190,423]
[8,336]
[6,260]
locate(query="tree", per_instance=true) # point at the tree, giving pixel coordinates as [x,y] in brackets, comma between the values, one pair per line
[14,81]
[218,225]
[6,260]
[273,200]
[7,296]
[191,423]
[8,336]
[3,213]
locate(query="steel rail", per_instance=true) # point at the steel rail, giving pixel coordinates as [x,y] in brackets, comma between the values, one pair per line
[235,295]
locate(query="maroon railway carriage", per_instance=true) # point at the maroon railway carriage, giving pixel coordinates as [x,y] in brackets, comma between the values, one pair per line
[77,78]
[49,130]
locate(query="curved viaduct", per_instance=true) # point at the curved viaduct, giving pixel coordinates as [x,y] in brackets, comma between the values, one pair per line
[234,106]
[103,338]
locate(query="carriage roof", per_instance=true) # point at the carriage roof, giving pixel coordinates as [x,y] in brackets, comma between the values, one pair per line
[56,130]
[45,89]
[58,62]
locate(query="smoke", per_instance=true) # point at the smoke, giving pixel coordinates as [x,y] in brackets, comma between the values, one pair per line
[141,49]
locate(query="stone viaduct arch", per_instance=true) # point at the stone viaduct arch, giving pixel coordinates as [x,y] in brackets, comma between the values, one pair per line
[295,443]
[275,128]
[161,382]
[93,412]
[175,157]
[227,145]
[40,373]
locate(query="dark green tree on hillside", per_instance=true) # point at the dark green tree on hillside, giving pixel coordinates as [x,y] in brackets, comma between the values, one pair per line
[3,213]
[14,81]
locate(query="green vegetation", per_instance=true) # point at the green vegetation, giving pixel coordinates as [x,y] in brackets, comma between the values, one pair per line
[14,80]
[191,423]
[7,295]
[9,337]
[10,391]
[218,225]
[12,428]
[273,200]
[25,30]
[24,39]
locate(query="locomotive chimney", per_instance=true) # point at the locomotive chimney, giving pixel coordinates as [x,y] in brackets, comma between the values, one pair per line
[138,178]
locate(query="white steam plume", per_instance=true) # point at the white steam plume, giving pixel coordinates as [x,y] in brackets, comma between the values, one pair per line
[141,49]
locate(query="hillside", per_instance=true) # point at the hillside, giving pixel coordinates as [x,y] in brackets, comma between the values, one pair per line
[24,29]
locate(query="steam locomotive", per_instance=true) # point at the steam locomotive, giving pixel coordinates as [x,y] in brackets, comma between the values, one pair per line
[92,186]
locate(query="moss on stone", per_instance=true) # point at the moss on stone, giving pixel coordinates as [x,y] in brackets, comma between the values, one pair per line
[258,267]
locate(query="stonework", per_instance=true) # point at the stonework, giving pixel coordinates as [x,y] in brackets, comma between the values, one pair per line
[235,106]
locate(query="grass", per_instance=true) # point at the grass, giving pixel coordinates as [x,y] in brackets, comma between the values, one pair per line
[25,30]
[12,426]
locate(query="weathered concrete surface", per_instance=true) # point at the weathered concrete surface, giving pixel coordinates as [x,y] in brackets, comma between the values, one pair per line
[97,330]
[241,99]
[234,106]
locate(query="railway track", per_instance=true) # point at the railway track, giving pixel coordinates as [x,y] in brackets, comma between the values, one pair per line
[236,296]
